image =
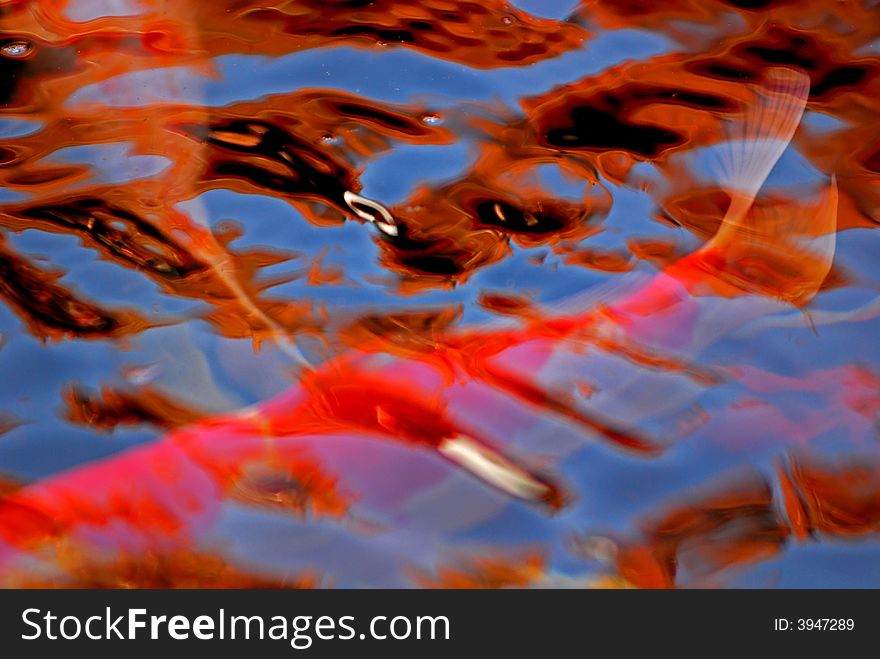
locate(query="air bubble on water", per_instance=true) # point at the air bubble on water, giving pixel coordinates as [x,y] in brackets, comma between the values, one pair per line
[16,49]
[432,119]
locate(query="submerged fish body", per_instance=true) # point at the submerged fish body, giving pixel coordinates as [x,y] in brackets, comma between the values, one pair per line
[370,442]
[388,451]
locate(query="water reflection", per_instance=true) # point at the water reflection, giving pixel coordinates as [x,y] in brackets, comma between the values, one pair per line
[394,377]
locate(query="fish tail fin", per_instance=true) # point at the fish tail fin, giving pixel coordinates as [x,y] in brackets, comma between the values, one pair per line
[783,251]
[757,141]
[819,240]
[779,250]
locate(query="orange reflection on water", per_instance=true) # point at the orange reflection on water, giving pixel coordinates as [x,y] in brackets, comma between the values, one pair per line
[420,425]
[704,540]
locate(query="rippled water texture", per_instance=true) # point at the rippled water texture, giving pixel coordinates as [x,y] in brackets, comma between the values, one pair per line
[439,293]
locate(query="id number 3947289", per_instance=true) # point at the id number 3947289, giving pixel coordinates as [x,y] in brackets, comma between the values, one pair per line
[813,624]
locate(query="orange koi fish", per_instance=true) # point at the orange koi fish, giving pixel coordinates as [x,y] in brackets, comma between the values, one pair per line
[373,436]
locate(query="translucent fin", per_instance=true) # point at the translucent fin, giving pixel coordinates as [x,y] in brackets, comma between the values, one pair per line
[756,143]
[781,251]
[819,318]
[820,235]
[192,221]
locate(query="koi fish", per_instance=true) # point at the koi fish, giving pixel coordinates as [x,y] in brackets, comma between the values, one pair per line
[368,424]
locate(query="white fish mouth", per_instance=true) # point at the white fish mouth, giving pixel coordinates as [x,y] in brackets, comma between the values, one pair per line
[493,468]
[381,218]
